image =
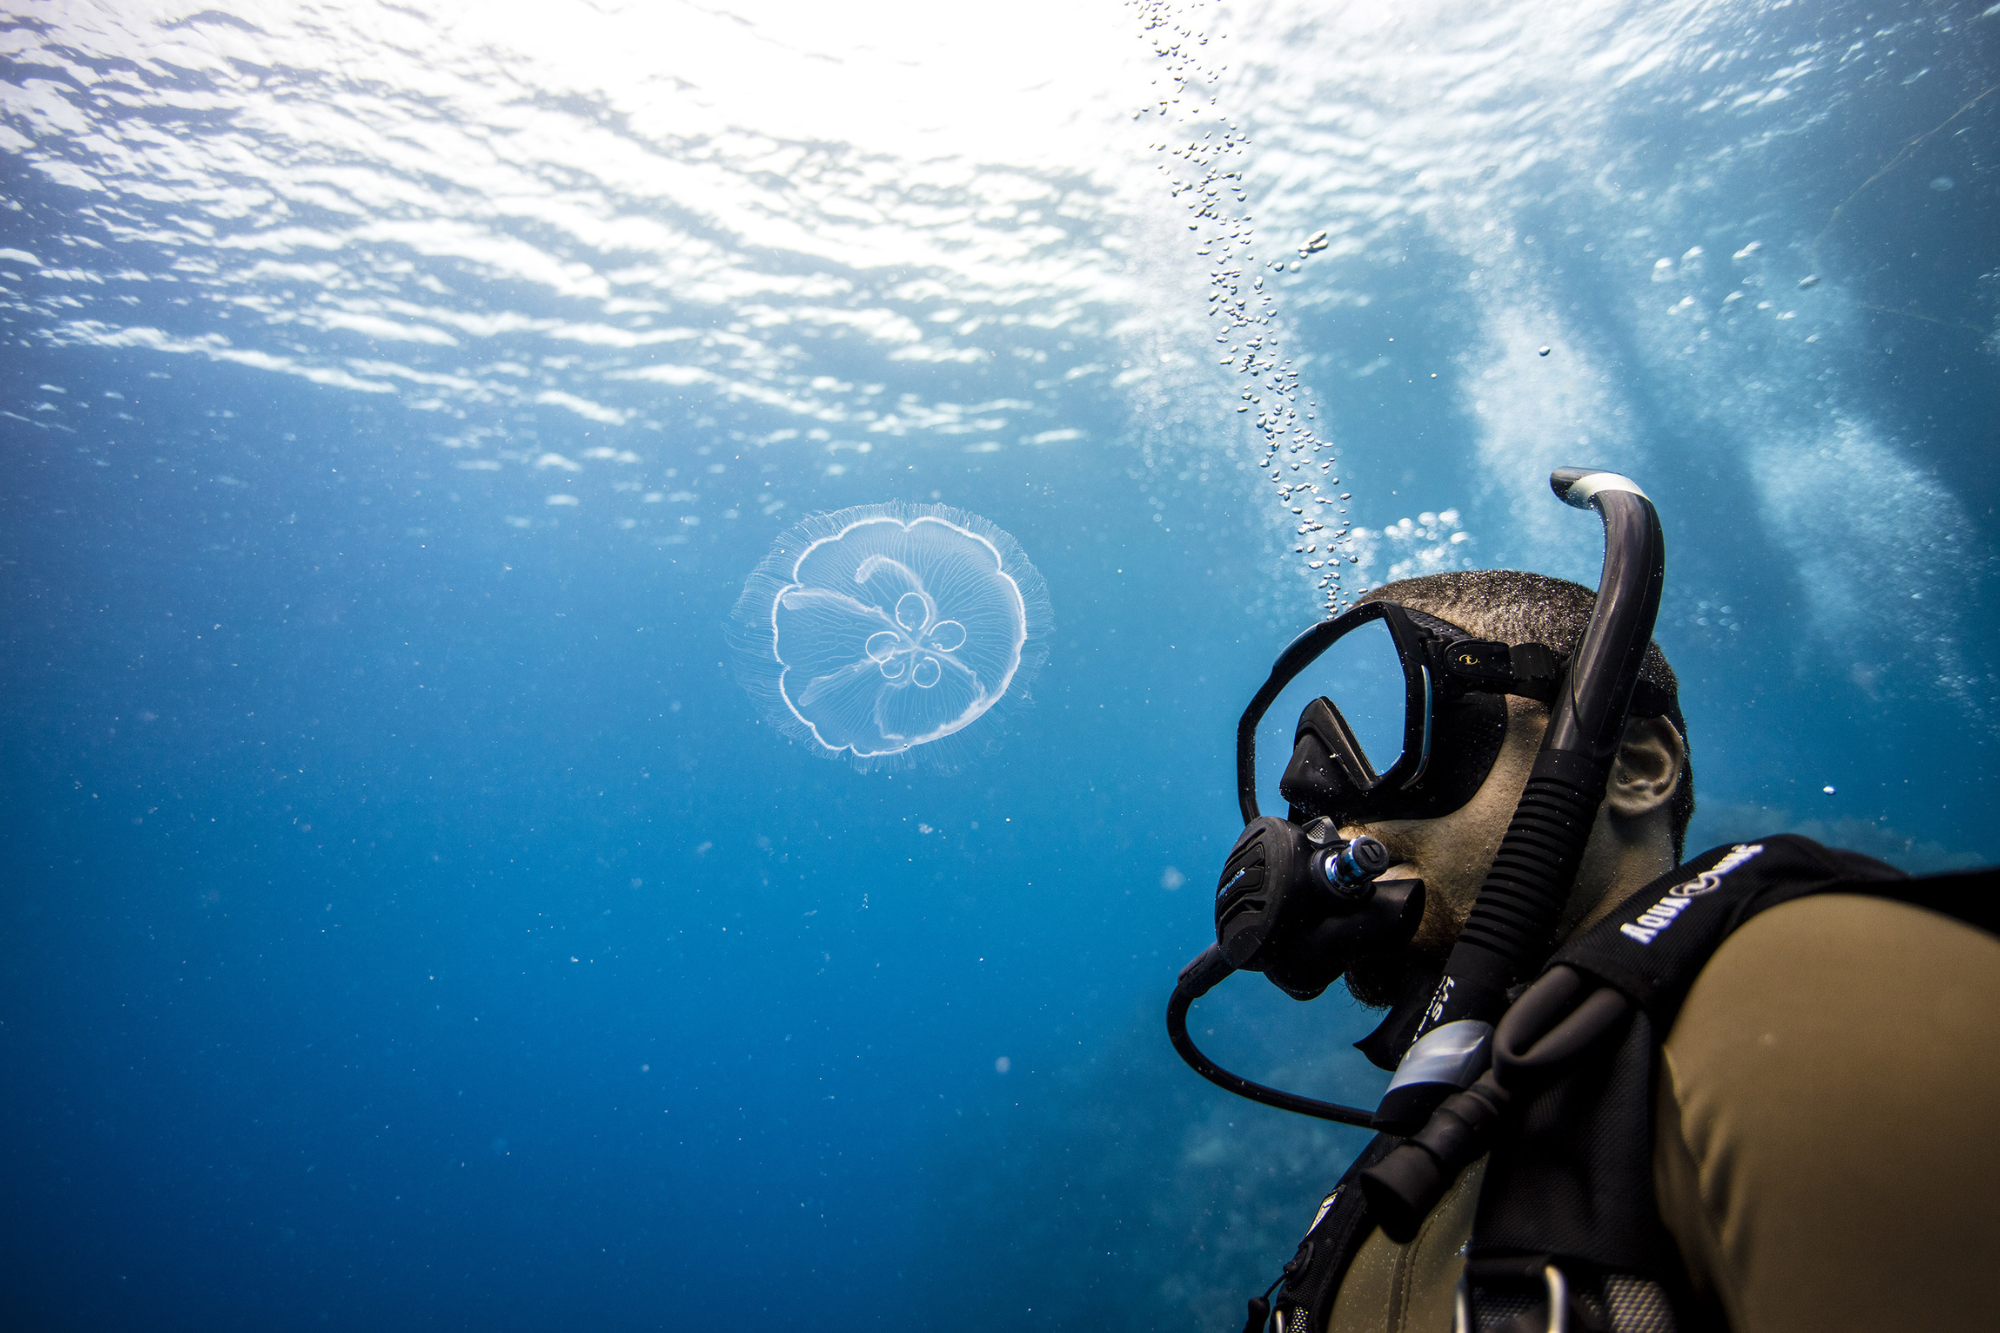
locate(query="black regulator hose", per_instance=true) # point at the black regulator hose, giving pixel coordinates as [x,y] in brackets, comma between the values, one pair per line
[1196,980]
[1511,928]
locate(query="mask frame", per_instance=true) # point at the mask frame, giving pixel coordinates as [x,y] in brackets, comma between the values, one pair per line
[1453,720]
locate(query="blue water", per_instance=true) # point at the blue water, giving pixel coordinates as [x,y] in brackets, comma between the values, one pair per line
[410,922]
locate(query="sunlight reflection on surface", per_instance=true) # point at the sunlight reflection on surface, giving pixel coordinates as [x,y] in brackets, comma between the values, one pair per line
[594,210]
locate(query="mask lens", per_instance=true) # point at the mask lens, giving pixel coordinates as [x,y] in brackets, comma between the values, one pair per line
[1363,677]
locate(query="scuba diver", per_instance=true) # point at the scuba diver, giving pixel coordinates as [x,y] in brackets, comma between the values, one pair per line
[1754,1090]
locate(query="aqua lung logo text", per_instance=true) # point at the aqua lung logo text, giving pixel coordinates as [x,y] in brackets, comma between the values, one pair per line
[1662,913]
[1436,1010]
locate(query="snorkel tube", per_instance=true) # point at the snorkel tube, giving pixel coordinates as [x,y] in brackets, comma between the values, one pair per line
[1512,925]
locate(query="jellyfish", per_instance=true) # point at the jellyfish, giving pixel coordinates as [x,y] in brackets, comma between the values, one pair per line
[875,630]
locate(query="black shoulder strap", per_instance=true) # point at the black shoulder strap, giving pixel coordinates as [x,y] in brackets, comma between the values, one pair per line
[1653,946]
[1569,1182]
[1570,1177]
[1305,1300]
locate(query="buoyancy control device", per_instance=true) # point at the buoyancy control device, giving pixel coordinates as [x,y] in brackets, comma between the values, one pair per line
[1567,1233]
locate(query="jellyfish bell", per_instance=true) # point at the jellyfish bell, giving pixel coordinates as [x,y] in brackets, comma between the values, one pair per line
[877,632]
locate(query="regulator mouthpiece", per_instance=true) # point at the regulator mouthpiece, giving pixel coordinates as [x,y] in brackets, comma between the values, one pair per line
[1301,904]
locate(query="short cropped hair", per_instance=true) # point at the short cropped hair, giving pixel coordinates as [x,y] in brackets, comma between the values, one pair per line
[1516,607]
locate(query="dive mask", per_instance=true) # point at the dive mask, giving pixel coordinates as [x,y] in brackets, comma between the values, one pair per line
[1424,721]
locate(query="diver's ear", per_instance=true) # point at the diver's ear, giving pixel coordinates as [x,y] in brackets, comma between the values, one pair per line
[1647,769]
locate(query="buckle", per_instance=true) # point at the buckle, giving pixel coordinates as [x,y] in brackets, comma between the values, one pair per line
[1531,670]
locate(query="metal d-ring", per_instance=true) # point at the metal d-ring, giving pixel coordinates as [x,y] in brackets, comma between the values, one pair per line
[1558,1298]
[1558,1287]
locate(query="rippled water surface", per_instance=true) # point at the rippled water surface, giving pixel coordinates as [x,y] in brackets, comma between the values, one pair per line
[411,923]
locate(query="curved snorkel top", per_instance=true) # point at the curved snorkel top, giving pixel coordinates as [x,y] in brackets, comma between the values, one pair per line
[1589,717]
[1512,925]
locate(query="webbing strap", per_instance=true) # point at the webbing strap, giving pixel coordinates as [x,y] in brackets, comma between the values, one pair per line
[1569,1177]
[1314,1273]
[1570,1174]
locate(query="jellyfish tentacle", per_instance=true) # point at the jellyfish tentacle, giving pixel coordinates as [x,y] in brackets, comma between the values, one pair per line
[923,708]
[978,686]
[865,572]
[819,685]
[797,597]
[880,717]
[874,565]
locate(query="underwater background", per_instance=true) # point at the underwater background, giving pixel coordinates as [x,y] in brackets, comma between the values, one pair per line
[410,922]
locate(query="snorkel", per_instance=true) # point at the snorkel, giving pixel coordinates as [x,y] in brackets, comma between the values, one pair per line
[1300,904]
[1512,925]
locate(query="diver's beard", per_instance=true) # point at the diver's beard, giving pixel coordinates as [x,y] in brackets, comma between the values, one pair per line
[1383,979]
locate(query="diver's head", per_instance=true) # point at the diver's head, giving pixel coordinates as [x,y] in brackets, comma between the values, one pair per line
[1449,845]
